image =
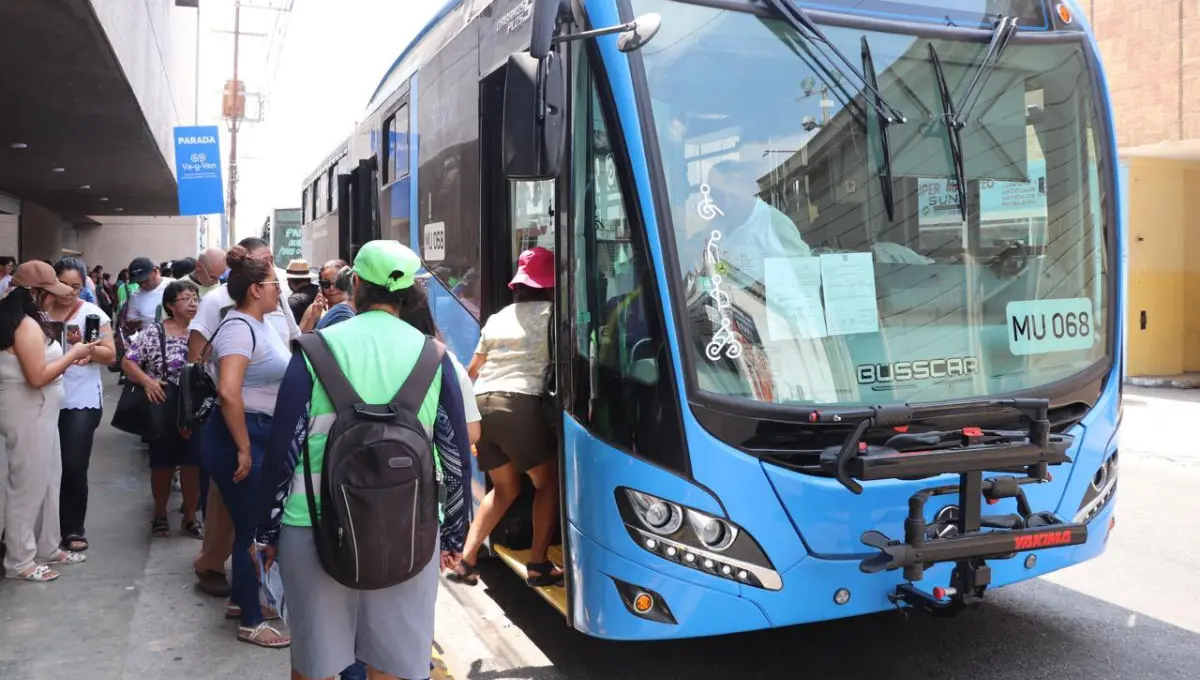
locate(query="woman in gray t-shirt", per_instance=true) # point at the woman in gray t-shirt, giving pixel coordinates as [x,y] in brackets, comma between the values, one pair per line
[249,361]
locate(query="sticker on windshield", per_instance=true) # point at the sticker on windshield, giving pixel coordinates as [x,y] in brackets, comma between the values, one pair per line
[433,242]
[1044,326]
[724,342]
[708,207]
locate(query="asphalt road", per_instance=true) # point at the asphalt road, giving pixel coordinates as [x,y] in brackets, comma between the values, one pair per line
[1133,613]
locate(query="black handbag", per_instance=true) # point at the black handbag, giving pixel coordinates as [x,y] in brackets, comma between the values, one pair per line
[136,414]
[197,391]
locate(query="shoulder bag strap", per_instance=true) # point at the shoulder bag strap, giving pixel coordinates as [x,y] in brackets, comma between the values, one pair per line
[162,345]
[253,338]
[415,388]
[333,379]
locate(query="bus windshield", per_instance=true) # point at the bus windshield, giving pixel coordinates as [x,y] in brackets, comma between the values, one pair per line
[823,254]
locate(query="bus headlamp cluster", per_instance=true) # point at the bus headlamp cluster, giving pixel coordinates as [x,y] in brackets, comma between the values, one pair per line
[1100,492]
[695,539]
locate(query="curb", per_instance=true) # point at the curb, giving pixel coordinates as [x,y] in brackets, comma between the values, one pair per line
[476,637]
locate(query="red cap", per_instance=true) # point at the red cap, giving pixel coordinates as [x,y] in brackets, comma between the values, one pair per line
[535,268]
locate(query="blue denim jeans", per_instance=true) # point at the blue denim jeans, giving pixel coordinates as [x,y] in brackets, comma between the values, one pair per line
[358,671]
[219,453]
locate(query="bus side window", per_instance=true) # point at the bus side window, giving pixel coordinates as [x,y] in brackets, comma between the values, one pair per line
[632,402]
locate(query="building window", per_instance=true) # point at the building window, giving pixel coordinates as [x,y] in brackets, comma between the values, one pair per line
[333,191]
[397,146]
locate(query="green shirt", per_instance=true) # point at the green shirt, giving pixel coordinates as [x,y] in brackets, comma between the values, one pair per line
[377,351]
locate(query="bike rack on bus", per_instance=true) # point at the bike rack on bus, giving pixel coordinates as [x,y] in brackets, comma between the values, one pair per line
[971,538]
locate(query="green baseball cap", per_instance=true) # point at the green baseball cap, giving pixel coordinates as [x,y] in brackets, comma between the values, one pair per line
[388,264]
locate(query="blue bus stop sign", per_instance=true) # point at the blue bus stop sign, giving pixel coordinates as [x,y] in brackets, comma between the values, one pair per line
[198,169]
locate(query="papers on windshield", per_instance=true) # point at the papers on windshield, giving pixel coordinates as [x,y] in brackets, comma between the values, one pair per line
[794,308]
[815,297]
[850,301]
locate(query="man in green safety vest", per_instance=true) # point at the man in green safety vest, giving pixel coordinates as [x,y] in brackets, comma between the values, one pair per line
[390,629]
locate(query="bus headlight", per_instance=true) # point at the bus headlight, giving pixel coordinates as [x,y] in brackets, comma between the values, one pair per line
[714,533]
[656,514]
[712,545]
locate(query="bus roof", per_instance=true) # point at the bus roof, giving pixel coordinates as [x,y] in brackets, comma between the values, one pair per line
[472,9]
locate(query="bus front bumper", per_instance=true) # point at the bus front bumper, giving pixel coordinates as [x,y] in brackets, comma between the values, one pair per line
[606,590]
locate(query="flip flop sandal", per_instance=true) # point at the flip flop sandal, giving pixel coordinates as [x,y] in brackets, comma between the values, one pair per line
[160,528]
[253,635]
[39,574]
[546,575]
[75,543]
[466,574]
[67,557]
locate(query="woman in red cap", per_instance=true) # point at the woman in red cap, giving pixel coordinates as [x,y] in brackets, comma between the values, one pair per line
[32,363]
[509,367]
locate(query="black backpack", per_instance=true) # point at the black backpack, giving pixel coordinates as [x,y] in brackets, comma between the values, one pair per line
[380,482]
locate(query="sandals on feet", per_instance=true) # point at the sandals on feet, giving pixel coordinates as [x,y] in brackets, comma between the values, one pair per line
[547,574]
[194,529]
[232,611]
[464,573]
[159,528]
[67,557]
[264,635]
[39,574]
[74,543]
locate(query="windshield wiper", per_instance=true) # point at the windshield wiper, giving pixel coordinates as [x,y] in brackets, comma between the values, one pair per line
[956,116]
[1006,28]
[798,19]
[954,130]
[885,142]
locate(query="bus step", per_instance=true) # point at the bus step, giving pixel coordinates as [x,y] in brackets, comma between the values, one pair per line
[517,559]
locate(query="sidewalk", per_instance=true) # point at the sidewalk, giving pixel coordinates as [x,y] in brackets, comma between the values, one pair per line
[131,611]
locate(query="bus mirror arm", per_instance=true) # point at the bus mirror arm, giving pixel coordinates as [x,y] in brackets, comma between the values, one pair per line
[634,35]
[547,14]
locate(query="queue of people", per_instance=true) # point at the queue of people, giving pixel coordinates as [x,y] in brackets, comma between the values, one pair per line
[253,473]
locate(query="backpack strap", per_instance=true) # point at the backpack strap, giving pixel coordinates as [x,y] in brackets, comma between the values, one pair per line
[333,379]
[415,388]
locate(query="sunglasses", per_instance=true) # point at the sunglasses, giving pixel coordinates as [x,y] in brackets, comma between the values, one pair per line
[325,284]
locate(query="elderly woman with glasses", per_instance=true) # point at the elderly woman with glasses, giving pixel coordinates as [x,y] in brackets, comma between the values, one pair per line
[156,359]
[83,403]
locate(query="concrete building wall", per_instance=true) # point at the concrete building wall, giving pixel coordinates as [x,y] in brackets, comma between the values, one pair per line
[117,241]
[41,233]
[155,43]
[1152,60]
[10,226]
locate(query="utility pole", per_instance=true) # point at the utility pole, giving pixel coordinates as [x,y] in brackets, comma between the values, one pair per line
[234,105]
[234,124]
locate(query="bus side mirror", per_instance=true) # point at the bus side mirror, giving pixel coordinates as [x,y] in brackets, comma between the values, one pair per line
[534,135]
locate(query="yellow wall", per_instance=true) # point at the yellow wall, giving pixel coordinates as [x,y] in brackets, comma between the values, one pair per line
[1164,267]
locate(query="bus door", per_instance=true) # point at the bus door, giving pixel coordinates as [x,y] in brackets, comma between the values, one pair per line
[358,219]
[516,216]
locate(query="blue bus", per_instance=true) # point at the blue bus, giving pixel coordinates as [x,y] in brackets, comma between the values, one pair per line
[838,283]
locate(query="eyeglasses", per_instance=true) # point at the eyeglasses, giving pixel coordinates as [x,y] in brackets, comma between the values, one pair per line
[185,299]
[74,286]
[325,284]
